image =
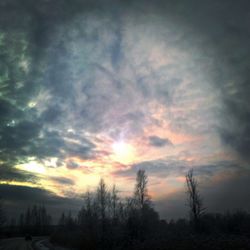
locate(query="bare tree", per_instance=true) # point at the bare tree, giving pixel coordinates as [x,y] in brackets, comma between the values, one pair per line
[141,191]
[114,202]
[194,199]
[102,201]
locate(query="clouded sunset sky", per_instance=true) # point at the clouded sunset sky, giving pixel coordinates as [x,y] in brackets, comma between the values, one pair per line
[92,89]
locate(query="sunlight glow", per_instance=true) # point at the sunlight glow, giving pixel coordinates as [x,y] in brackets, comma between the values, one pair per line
[19,183]
[33,167]
[31,104]
[123,152]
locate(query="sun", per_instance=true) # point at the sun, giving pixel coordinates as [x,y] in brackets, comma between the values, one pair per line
[123,152]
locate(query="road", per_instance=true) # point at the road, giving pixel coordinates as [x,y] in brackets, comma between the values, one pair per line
[15,244]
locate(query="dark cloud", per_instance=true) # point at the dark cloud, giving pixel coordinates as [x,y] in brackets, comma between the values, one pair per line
[7,173]
[54,144]
[159,168]
[16,137]
[63,180]
[159,142]
[82,150]
[20,135]
[224,37]
[236,132]
[24,194]
[6,109]
[49,145]
[72,165]
[21,197]
[163,168]
[52,114]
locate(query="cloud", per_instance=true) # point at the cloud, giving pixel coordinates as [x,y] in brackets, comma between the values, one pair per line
[72,73]
[235,134]
[63,180]
[221,33]
[8,173]
[159,142]
[22,197]
[163,168]
[159,168]
[72,165]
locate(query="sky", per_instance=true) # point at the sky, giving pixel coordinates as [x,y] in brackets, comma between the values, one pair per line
[101,89]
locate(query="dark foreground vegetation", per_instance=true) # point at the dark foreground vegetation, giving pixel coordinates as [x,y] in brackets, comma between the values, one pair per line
[107,221]
[34,221]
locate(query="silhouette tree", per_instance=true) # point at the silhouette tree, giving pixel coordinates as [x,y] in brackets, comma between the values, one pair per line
[114,203]
[141,192]
[35,220]
[194,200]
[107,221]
[102,199]
[141,216]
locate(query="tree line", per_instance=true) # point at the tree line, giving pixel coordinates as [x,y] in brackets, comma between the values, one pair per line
[35,220]
[108,221]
